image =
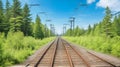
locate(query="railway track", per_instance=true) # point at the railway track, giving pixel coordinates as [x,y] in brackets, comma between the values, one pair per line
[60,53]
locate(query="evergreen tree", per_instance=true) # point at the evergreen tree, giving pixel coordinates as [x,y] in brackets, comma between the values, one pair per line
[16,19]
[98,29]
[26,27]
[82,32]
[16,24]
[107,23]
[77,31]
[38,30]
[1,17]
[43,29]
[68,32]
[93,30]
[89,29]
[116,25]
[32,28]
[46,31]
[7,16]
[118,29]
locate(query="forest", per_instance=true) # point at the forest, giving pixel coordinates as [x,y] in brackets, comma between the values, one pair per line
[19,36]
[102,37]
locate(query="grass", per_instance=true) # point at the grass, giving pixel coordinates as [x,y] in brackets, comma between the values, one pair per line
[97,43]
[15,48]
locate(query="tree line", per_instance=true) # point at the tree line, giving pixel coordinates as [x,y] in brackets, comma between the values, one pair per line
[14,18]
[107,27]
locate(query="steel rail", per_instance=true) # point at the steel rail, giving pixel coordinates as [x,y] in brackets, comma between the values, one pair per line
[54,53]
[68,55]
[28,64]
[44,53]
[78,53]
[102,59]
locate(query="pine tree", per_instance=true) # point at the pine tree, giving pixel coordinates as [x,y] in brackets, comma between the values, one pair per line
[68,33]
[77,31]
[98,29]
[118,29]
[26,27]
[1,17]
[116,25]
[32,28]
[107,23]
[38,30]
[43,29]
[16,19]
[89,29]
[93,32]
[7,16]
[82,32]
[46,34]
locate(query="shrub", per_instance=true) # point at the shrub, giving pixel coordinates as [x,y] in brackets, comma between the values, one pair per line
[97,43]
[15,48]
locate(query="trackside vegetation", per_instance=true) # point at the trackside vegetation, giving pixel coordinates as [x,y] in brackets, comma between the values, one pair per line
[19,35]
[16,47]
[103,36]
[100,44]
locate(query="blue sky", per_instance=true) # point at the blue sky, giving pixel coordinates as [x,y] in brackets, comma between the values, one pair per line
[59,11]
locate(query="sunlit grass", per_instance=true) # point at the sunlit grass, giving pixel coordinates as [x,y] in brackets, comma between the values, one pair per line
[97,43]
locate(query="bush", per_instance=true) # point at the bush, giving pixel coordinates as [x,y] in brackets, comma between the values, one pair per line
[15,48]
[97,43]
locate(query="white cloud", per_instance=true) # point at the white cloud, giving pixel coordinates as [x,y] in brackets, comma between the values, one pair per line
[90,1]
[112,4]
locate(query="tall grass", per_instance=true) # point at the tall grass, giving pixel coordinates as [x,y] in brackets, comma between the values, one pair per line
[97,43]
[15,48]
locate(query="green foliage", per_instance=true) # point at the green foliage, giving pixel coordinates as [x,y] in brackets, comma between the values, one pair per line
[7,16]
[106,23]
[38,33]
[16,43]
[45,30]
[75,32]
[104,28]
[26,27]
[2,39]
[116,25]
[15,48]
[1,17]
[102,44]
[16,24]
[16,8]
[89,29]
[103,36]
[15,18]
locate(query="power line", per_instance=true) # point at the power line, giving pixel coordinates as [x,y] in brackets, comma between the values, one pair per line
[116,13]
[34,4]
[72,19]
